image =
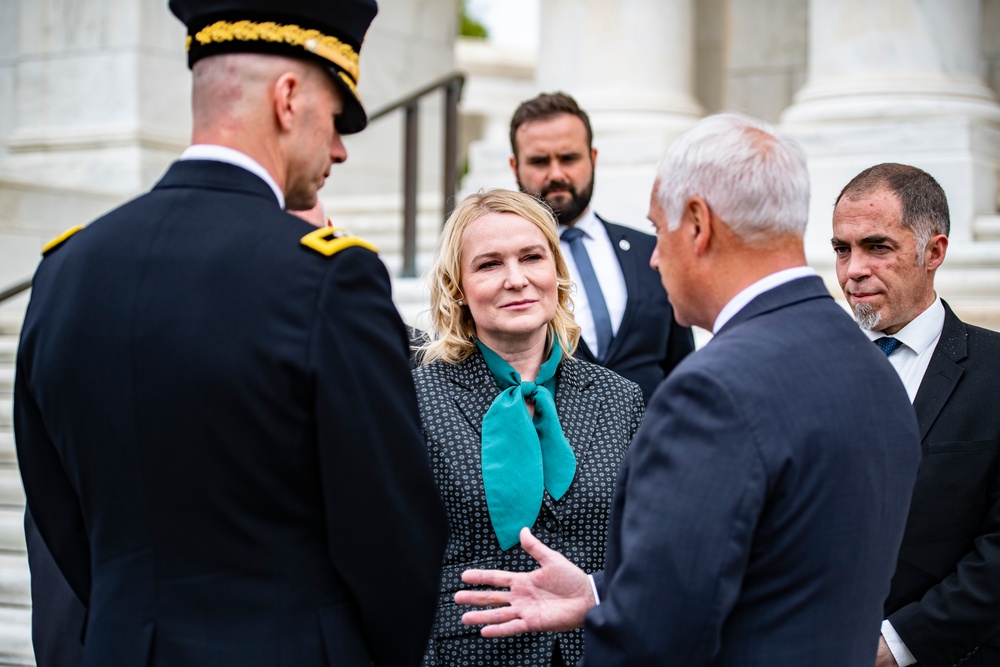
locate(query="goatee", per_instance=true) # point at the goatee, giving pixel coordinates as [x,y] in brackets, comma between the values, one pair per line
[866,315]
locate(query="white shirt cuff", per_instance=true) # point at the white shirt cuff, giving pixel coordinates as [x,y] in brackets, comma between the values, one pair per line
[896,646]
[593,586]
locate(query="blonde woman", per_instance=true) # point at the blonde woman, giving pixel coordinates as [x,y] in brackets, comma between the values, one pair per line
[519,433]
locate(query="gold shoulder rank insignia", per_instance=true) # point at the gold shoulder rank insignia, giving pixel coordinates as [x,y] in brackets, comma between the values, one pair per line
[58,241]
[330,240]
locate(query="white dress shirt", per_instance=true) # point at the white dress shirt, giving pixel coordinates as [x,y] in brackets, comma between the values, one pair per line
[765,284]
[233,157]
[609,275]
[919,338]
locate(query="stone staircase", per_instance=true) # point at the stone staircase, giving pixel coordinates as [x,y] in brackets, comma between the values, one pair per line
[15,601]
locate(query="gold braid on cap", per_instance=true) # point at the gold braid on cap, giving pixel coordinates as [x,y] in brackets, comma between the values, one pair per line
[324,46]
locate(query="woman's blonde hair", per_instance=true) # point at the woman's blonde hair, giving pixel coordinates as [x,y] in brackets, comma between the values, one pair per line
[454,328]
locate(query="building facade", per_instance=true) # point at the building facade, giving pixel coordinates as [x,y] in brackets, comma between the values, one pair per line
[94,104]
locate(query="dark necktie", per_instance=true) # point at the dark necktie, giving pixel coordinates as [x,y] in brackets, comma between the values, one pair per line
[598,307]
[887,344]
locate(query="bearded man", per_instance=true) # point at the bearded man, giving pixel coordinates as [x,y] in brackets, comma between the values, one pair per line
[627,321]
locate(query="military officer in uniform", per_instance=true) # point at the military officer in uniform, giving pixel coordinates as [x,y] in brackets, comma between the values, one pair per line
[215,421]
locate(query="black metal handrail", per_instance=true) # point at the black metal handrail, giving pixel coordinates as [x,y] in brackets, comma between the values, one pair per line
[15,289]
[452,85]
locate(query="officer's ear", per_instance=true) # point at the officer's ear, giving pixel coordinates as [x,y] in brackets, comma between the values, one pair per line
[285,93]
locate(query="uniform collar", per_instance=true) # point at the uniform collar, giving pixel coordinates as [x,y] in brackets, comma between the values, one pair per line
[237,158]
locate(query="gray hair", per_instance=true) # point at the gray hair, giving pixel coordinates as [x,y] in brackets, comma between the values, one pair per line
[751,176]
[923,204]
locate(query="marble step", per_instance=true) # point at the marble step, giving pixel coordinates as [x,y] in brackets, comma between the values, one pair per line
[6,379]
[12,530]
[11,491]
[412,299]
[6,413]
[12,314]
[8,348]
[15,637]
[8,456]
[15,583]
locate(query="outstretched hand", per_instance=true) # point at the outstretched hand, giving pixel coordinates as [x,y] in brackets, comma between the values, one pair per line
[553,598]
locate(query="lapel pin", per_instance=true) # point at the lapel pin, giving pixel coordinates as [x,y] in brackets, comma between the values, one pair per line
[624,245]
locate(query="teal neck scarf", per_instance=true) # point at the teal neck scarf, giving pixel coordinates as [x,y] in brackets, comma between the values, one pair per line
[522,457]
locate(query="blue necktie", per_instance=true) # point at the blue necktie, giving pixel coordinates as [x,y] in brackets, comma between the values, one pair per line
[887,344]
[598,307]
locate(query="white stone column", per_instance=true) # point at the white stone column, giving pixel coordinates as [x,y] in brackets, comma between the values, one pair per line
[892,60]
[98,106]
[101,94]
[903,81]
[629,63]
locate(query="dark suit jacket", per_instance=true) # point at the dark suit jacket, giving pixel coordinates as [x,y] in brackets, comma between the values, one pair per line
[599,412]
[649,342]
[212,422]
[945,596]
[759,510]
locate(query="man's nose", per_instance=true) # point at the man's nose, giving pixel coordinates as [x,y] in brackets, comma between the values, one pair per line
[556,172]
[858,266]
[338,152]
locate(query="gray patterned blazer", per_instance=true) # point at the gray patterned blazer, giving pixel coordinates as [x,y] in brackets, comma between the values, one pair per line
[599,412]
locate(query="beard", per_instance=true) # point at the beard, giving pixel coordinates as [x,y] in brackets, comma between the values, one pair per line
[567,212]
[866,315]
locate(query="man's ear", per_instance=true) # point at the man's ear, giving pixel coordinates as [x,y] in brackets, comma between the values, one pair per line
[937,247]
[285,92]
[699,217]
[513,166]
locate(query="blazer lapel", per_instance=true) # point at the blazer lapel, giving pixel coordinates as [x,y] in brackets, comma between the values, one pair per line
[943,371]
[214,175]
[583,352]
[476,389]
[578,408]
[630,271]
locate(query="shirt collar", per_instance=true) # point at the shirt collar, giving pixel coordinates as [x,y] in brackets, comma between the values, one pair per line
[750,293]
[921,331]
[587,223]
[234,157]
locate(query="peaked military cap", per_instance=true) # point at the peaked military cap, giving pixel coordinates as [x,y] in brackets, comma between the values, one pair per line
[329,32]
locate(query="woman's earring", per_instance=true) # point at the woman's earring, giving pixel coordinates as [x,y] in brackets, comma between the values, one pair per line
[460,302]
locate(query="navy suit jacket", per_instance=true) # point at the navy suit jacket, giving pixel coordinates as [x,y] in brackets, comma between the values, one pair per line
[759,510]
[945,596]
[649,342]
[219,439]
